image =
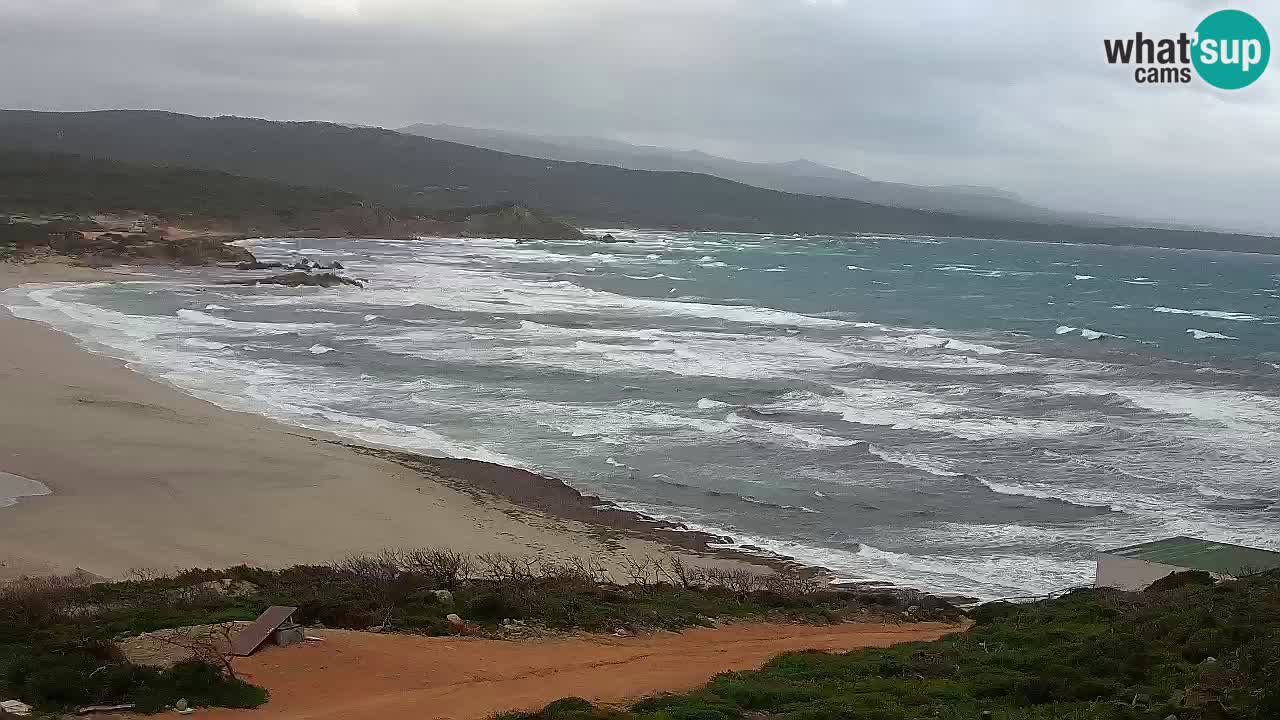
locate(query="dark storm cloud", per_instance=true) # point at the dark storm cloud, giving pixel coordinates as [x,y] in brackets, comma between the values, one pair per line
[1009,94]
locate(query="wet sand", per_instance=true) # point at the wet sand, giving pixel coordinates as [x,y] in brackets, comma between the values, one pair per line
[143,476]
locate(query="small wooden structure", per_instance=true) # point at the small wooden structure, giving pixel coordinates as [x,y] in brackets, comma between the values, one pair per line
[275,624]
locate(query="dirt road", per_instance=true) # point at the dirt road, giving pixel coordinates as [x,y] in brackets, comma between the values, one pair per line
[354,676]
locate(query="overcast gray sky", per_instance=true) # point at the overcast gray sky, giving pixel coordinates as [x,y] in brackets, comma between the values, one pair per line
[1012,94]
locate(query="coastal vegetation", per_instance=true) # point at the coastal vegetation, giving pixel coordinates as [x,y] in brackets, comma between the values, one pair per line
[58,639]
[1187,647]
[73,188]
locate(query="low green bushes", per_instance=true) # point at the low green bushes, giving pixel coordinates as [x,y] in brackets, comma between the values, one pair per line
[56,638]
[1183,648]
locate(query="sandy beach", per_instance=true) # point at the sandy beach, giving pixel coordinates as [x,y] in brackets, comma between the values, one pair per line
[143,476]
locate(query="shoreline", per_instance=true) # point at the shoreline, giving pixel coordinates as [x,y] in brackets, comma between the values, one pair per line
[579,524]
[223,477]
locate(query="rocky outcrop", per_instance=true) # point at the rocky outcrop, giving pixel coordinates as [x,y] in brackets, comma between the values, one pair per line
[522,223]
[609,238]
[259,265]
[301,278]
[108,248]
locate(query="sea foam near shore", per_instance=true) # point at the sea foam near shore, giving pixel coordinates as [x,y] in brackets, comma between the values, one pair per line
[14,487]
[946,416]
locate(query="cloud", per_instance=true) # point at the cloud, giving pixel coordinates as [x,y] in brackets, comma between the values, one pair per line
[1013,95]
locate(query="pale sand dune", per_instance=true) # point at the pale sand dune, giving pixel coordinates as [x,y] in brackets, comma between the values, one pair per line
[143,476]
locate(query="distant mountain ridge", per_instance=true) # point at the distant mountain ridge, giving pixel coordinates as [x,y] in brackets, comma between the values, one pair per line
[798,176]
[406,171]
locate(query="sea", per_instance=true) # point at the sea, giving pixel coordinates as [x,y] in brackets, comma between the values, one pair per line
[950,414]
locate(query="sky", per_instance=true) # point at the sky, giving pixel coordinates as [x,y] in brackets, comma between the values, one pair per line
[1014,94]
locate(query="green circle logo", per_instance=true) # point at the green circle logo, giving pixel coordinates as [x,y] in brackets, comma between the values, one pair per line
[1232,49]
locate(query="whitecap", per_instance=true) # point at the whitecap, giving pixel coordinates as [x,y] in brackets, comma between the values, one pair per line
[1205,335]
[1216,314]
[200,318]
[215,307]
[13,487]
[1088,334]
[1064,329]
[930,465]
[319,349]
[1086,277]
[204,344]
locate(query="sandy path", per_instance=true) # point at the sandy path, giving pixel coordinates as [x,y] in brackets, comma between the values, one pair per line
[354,675]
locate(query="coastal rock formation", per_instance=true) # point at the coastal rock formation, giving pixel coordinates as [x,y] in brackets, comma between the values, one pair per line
[517,221]
[107,248]
[259,265]
[302,278]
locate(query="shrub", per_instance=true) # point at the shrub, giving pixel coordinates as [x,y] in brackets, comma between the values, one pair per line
[1173,581]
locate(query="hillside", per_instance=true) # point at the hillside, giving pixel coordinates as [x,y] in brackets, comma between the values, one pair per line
[38,183]
[48,182]
[397,170]
[797,176]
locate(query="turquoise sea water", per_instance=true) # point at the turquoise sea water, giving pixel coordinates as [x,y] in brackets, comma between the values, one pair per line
[954,414]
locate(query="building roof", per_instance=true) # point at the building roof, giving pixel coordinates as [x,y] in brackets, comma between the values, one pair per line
[1197,554]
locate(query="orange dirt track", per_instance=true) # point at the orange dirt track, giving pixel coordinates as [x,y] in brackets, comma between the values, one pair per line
[358,676]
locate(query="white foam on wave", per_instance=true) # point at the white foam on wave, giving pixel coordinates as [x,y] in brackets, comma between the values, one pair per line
[987,575]
[278,391]
[319,349]
[1064,329]
[262,328]
[971,270]
[212,307]
[807,438]
[1216,314]
[1086,277]
[202,344]
[902,406]
[924,341]
[14,487]
[929,464]
[449,288]
[709,404]
[1089,334]
[1206,335]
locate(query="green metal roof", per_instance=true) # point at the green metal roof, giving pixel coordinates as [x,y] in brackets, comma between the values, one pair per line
[1197,554]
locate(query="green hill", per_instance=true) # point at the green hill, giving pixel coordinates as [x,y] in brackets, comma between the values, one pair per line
[34,183]
[400,170]
[50,182]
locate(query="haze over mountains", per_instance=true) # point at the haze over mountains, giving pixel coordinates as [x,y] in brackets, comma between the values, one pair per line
[797,176]
[402,170]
